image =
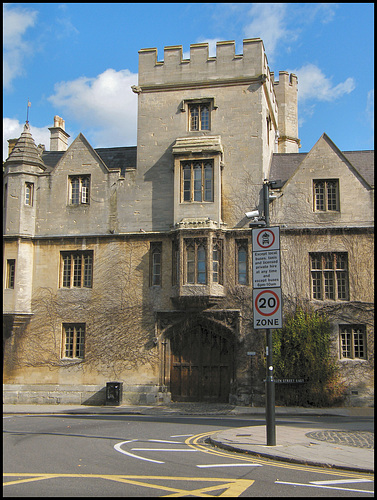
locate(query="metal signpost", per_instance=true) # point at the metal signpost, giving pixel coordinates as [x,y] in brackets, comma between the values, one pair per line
[267,303]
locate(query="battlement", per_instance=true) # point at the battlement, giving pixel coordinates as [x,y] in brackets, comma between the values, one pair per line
[226,65]
[286,80]
[286,96]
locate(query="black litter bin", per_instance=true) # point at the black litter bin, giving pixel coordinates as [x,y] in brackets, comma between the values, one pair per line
[114,393]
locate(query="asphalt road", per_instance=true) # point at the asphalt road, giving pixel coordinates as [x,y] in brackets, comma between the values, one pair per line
[150,456]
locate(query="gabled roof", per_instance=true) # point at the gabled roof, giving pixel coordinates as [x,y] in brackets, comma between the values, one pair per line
[283,165]
[114,158]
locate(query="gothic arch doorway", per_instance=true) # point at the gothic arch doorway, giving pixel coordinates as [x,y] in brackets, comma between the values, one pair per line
[202,364]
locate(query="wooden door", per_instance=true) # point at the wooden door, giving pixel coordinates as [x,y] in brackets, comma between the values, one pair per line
[201,365]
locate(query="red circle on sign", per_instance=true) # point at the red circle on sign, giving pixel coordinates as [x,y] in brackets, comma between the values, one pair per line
[277,302]
[273,238]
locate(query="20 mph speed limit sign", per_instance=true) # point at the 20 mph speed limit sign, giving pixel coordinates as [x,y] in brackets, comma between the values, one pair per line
[267,308]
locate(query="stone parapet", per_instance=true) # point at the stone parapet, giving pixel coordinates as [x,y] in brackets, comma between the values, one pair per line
[201,67]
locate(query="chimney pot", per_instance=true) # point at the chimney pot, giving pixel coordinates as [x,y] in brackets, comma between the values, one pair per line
[58,137]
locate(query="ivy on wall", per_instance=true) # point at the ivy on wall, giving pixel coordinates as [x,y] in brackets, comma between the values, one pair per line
[301,350]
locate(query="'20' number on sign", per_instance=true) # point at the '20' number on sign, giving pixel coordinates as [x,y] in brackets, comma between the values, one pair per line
[271,301]
[267,303]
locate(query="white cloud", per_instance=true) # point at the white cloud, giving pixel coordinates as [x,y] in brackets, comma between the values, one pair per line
[211,47]
[16,21]
[269,23]
[313,85]
[104,106]
[325,12]
[12,129]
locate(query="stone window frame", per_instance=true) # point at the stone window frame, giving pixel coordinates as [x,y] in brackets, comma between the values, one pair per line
[218,246]
[329,276]
[352,341]
[192,180]
[73,340]
[29,193]
[188,104]
[82,197]
[176,259]
[192,267]
[213,268]
[326,195]
[76,269]
[155,264]
[11,274]
[242,244]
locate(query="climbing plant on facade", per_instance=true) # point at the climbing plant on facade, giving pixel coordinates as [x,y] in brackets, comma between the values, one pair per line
[302,352]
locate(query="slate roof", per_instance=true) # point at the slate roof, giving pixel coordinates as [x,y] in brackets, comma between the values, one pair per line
[283,165]
[121,157]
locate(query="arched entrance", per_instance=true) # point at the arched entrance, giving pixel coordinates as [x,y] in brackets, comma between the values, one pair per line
[202,361]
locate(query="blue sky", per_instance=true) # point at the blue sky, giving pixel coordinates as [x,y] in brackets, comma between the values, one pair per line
[79,60]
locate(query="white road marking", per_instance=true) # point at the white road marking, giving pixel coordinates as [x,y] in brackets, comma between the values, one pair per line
[230,465]
[343,481]
[118,448]
[322,486]
[160,449]
[162,441]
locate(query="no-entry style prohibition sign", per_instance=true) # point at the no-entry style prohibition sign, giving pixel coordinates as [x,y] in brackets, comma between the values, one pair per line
[266,239]
[267,308]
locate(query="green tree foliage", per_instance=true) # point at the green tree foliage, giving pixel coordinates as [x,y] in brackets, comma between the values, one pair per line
[301,350]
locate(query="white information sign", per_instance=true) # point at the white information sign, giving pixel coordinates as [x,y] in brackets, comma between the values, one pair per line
[267,238]
[266,269]
[267,305]
[267,308]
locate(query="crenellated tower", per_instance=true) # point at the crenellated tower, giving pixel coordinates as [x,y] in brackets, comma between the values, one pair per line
[223,109]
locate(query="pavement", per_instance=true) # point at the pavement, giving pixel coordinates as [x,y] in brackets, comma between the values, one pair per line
[332,448]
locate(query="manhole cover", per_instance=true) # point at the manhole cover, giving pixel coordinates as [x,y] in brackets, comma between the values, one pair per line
[359,439]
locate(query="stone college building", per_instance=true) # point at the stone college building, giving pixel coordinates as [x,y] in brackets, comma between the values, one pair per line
[134,264]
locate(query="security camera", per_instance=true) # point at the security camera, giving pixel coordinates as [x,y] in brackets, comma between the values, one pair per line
[254,213]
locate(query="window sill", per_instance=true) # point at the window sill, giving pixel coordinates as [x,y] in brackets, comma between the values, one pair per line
[353,360]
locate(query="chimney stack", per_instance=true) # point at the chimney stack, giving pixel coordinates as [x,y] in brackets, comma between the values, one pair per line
[59,137]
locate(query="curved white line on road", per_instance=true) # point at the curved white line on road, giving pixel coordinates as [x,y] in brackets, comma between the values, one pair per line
[117,447]
[163,441]
[161,449]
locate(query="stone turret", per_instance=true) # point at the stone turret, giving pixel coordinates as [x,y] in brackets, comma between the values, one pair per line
[286,96]
[25,153]
[22,170]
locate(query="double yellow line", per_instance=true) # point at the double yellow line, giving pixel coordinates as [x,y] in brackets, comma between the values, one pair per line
[194,442]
